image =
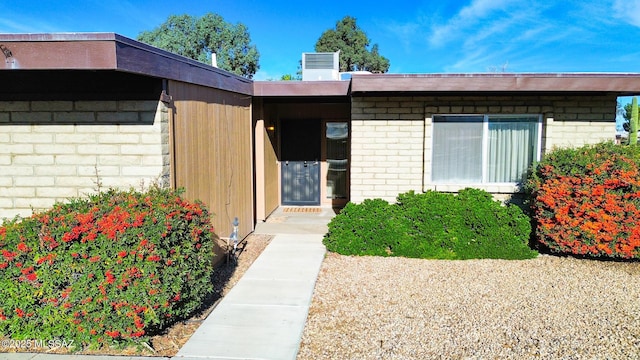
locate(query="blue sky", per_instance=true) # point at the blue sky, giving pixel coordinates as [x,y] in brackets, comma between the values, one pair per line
[417,36]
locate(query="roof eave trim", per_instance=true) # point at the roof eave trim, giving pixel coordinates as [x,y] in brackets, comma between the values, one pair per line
[110,51]
[455,83]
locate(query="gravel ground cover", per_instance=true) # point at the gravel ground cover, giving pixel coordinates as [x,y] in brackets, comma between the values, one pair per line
[545,308]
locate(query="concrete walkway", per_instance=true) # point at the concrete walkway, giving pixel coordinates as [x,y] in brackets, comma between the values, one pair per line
[264,314]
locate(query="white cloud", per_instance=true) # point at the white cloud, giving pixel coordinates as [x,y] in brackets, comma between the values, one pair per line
[135,15]
[533,36]
[493,30]
[467,18]
[628,11]
[406,33]
[473,61]
[19,24]
[8,26]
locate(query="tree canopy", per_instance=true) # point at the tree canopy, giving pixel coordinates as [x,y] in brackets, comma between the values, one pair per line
[353,44]
[627,112]
[199,37]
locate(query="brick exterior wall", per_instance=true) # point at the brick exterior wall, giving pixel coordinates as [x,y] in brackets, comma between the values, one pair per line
[53,150]
[387,141]
[391,136]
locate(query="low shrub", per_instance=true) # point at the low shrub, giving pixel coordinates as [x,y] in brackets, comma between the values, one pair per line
[586,201]
[432,225]
[109,269]
[368,228]
[492,229]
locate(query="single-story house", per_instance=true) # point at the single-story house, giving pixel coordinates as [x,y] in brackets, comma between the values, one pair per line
[433,131]
[83,111]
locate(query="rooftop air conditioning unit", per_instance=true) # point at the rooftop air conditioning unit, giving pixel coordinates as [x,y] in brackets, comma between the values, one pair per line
[320,66]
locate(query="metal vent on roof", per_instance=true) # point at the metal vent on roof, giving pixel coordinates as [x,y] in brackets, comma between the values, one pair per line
[319,61]
[320,66]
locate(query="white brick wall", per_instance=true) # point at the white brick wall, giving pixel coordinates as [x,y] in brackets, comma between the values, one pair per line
[576,133]
[53,150]
[391,136]
[386,151]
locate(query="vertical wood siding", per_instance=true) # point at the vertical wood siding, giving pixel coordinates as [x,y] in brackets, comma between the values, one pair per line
[272,187]
[212,152]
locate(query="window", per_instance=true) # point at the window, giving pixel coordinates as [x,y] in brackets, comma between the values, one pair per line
[484,148]
[337,144]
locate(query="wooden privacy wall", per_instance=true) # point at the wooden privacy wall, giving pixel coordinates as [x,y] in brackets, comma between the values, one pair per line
[272,187]
[266,161]
[212,152]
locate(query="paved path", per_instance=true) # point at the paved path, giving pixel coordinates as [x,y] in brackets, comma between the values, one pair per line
[264,314]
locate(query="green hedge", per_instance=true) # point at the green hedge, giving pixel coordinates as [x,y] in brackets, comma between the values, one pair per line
[112,268]
[586,201]
[373,227]
[432,225]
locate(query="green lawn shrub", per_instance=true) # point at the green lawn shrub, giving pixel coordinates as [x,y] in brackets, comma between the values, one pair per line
[109,269]
[432,225]
[586,201]
[369,228]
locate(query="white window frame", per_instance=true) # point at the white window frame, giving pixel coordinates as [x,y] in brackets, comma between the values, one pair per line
[485,145]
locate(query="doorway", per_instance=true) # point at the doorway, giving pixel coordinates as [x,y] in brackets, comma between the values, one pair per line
[301,152]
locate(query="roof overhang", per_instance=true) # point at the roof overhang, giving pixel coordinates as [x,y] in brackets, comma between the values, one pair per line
[109,51]
[619,83]
[112,52]
[300,88]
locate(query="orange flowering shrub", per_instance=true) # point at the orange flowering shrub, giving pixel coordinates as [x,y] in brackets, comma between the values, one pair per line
[586,201]
[113,268]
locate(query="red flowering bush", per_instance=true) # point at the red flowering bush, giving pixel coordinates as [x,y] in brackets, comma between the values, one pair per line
[586,201]
[113,268]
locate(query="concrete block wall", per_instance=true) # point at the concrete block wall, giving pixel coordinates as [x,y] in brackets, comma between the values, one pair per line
[578,120]
[387,144]
[391,136]
[54,150]
[576,133]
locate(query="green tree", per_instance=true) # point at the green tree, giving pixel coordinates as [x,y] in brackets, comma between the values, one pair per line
[291,77]
[627,112]
[619,108]
[199,37]
[633,122]
[353,44]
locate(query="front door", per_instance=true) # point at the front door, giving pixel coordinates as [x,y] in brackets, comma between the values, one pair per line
[300,161]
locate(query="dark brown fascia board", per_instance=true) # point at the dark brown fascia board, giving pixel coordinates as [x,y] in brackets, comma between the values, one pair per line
[68,51]
[300,88]
[619,83]
[110,51]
